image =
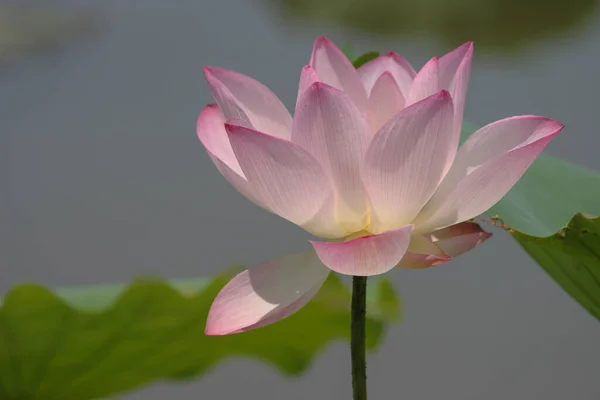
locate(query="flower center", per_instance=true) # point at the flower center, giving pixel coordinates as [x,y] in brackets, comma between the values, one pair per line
[357,235]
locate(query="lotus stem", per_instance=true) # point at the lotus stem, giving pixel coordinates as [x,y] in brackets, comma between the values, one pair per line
[358,337]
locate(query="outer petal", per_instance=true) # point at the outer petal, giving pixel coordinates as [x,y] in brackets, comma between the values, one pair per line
[266,293]
[487,165]
[423,253]
[455,69]
[210,129]
[288,180]
[385,101]
[242,97]
[365,256]
[330,127]
[460,238]
[426,83]
[405,161]
[336,70]
[391,62]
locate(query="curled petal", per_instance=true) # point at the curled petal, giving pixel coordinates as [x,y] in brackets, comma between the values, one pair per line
[401,71]
[266,293]
[405,161]
[486,167]
[460,238]
[365,256]
[244,98]
[336,70]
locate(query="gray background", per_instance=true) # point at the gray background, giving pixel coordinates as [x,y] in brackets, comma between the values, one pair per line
[103,179]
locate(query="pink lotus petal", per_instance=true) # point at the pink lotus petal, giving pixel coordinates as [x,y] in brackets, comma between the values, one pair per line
[308,76]
[455,69]
[210,129]
[244,98]
[284,312]
[239,183]
[336,70]
[289,180]
[423,253]
[391,62]
[266,293]
[486,167]
[451,64]
[385,101]
[426,82]
[460,238]
[329,126]
[365,256]
[405,161]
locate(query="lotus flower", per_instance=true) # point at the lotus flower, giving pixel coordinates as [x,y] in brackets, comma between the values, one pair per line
[370,163]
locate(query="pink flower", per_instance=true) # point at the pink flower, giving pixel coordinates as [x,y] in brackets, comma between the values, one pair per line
[370,162]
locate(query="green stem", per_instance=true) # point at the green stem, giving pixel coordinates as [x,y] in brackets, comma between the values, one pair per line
[358,336]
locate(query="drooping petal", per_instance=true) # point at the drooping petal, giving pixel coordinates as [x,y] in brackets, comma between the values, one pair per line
[365,256]
[405,161]
[487,165]
[329,126]
[443,245]
[244,98]
[385,101]
[426,82]
[460,238]
[423,253]
[336,70]
[455,69]
[266,293]
[308,76]
[210,129]
[288,179]
[391,62]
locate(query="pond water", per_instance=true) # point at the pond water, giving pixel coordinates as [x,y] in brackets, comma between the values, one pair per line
[104,179]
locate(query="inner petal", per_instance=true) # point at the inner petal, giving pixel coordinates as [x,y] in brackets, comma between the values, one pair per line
[329,126]
[385,101]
